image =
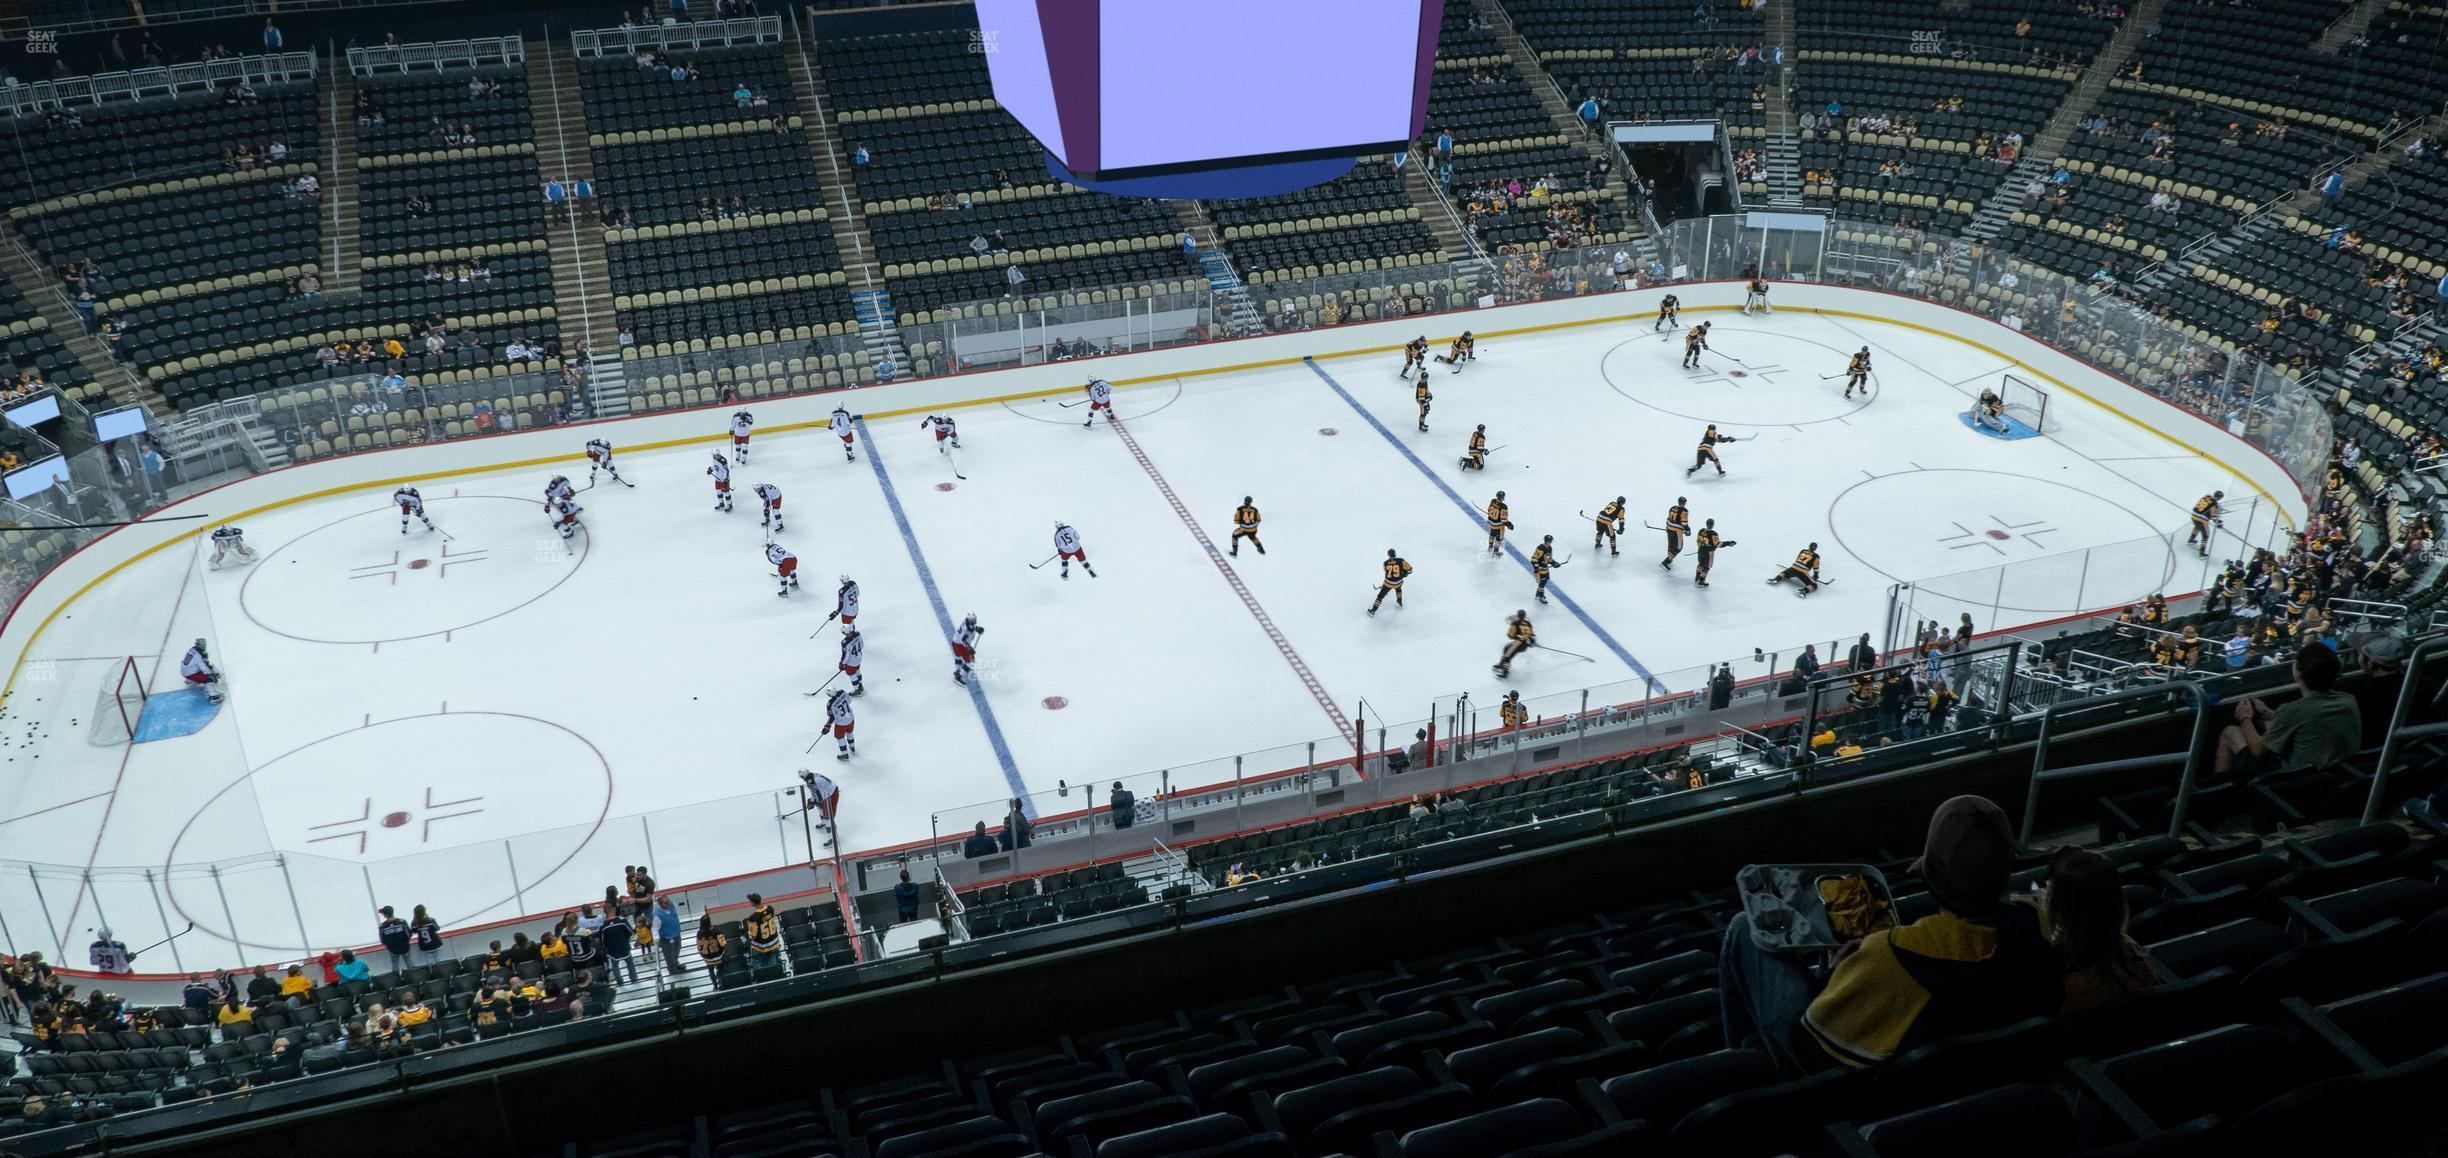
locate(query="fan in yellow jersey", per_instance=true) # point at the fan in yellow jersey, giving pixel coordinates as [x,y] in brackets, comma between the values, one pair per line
[1543,561]
[1707,454]
[1857,373]
[1474,456]
[1512,711]
[1518,639]
[1694,341]
[1464,349]
[1245,526]
[1396,570]
[1670,313]
[1704,549]
[1415,356]
[1805,568]
[1610,526]
[1678,524]
[1755,298]
[1421,394]
[1499,520]
[2206,512]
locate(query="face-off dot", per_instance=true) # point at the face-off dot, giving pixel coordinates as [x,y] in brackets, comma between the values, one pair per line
[419,564]
[394,819]
[1999,535]
[943,486]
[1056,703]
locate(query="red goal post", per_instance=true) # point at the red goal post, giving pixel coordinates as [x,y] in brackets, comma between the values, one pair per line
[122,703]
[2026,401]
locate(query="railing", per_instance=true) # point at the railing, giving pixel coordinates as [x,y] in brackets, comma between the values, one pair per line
[438,55]
[2197,701]
[146,83]
[685,37]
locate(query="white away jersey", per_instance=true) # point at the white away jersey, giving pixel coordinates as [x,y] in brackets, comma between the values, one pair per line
[227,535]
[1066,540]
[558,488]
[941,424]
[967,633]
[854,647]
[721,470]
[194,663]
[775,555]
[841,421]
[598,450]
[837,709]
[1100,390]
[845,601]
[566,508]
[740,423]
[768,493]
[409,501]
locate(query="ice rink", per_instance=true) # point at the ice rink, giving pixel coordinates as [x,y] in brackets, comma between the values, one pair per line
[478,723]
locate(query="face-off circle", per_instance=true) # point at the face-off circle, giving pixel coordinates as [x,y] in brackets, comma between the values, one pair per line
[409,586]
[1987,538]
[433,834]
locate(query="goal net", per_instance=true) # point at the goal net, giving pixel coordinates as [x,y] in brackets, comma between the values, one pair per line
[120,704]
[2025,402]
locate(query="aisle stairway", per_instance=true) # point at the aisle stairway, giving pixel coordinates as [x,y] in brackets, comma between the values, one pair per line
[879,329]
[582,281]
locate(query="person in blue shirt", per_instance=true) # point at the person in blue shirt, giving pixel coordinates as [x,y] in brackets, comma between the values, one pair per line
[350,968]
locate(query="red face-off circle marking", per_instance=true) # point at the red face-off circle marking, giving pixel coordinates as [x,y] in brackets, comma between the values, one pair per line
[1056,703]
[419,564]
[1997,534]
[943,486]
[394,819]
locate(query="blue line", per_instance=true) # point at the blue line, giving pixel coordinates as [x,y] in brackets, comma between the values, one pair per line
[943,615]
[1552,588]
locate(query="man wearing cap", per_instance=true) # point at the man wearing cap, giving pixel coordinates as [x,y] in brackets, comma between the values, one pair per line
[393,933]
[1978,963]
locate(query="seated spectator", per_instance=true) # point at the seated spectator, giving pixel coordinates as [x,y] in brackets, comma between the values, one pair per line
[2083,913]
[234,1019]
[350,968]
[262,989]
[295,984]
[552,947]
[2323,727]
[1977,963]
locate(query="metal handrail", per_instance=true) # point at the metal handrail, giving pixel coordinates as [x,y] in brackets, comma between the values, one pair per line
[2398,731]
[2042,773]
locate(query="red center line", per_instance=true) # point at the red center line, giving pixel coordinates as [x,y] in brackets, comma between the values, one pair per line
[1342,722]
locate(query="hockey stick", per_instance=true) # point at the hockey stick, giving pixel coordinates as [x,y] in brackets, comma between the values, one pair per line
[1048,559]
[1072,403]
[447,537]
[955,466]
[820,631]
[820,691]
[1561,651]
[1654,526]
[1727,357]
[624,482]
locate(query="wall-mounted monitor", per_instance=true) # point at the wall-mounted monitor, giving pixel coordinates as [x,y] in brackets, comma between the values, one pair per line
[125,422]
[29,480]
[28,413]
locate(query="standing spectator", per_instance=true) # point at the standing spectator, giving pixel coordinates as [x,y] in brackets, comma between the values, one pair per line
[1444,146]
[616,936]
[1721,687]
[667,933]
[859,157]
[764,933]
[271,36]
[1863,657]
[393,933]
[1589,113]
[425,934]
[905,899]
[711,946]
[1017,827]
[2332,188]
[1125,806]
[980,843]
[1977,963]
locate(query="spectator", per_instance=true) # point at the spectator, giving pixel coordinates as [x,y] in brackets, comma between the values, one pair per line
[494,965]
[552,947]
[764,934]
[667,933]
[271,36]
[743,96]
[1862,657]
[905,899]
[489,1014]
[616,937]
[197,994]
[425,935]
[233,1018]
[393,933]
[295,984]
[979,843]
[1721,687]
[598,992]
[1977,963]
[859,156]
[351,968]
[262,989]
[2323,727]
[1125,806]
[711,946]
[585,947]
[588,919]
[1017,828]
[2083,913]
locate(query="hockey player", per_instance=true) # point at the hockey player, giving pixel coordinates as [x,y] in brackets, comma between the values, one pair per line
[1519,637]
[1067,548]
[1421,395]
[786,568]
[947,435]
[1415,356]
[1707,454]
[1694,341]
[1245,526]
[1670,313]
[843,722]
[853,649]
[1857,373]
[1610,526]
[1396,570]
[845,601]
[721,474]
[412,506]
[842,429]
[2206,512]
[1705,551]
[769,500]
[599,458]
[964,647]
[197,669]
[1805,567]
[565,516]
[229,541]
[1100,397]
[1755,297]
[558,488]
[741,421]
[1990,412]
[820,795]
[1678,524]
[1542,562]
[1474,456]
[1499,520]
[1464,349]
[1512,712]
